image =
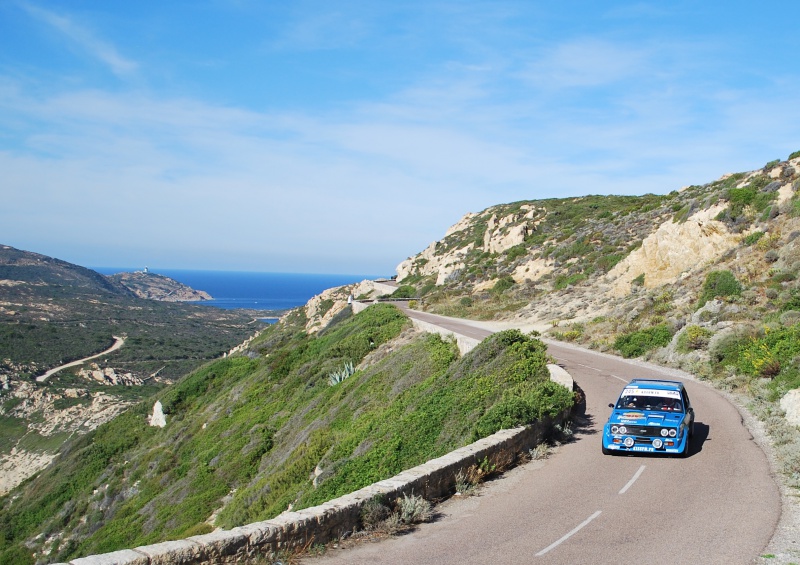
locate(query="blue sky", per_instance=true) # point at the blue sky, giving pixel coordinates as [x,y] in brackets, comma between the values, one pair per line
[343,137]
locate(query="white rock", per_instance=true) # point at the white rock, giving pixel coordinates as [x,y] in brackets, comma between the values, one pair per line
[158,418]
[790,403]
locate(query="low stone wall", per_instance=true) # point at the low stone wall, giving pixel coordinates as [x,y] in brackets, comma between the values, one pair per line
[332,520]
[465,344]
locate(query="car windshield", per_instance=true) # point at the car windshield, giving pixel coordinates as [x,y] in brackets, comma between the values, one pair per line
[650,402]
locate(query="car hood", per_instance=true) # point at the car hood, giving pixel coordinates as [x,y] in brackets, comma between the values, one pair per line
[646,418]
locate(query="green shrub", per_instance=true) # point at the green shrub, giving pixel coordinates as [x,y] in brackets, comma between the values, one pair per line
[719,284]
[694,337]
[766,356]
[794,155]
[637,343]
[793,303]
[516,252]
[547,399]
[753,238]
[405,291]
[325,306]
[502,284]
[17,555]
[638,281]
[509,413]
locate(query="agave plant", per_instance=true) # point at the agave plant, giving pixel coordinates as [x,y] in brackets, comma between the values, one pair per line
[336,377]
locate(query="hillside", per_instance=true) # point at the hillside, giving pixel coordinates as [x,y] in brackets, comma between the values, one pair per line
[296,420]
[53,312]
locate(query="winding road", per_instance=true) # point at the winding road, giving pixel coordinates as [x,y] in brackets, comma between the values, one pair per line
[118,342]
[719,505]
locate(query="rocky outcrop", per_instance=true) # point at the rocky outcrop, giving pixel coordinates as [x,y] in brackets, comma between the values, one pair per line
[675,250]
[431,262]
[323,307]
[445,259]
[71,411]
[109,376]
[507,231]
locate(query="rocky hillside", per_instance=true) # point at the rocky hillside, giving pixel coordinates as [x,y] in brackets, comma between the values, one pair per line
[606,242]
[158,287]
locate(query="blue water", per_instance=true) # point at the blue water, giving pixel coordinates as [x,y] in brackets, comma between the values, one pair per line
[258,291]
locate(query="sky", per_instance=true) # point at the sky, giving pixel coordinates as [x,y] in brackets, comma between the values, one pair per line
[344,137]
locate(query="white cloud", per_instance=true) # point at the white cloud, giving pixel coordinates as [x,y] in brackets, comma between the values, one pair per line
[82,37]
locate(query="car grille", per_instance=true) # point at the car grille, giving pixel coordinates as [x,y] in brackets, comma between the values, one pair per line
[644,431]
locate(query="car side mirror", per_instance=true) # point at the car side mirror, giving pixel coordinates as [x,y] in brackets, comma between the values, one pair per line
[611,406]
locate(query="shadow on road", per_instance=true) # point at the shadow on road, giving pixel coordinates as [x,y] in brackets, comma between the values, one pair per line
[582,422]
[701,431]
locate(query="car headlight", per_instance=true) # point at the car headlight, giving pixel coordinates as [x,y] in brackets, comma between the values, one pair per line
[673,432]
[628,442]
[657,443]
[614,429]
[664,432]
[623,430]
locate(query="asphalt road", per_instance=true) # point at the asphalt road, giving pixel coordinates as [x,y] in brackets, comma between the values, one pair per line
[719,505]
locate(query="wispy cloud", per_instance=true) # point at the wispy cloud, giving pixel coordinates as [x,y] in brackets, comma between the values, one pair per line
[586,62]
[85,39]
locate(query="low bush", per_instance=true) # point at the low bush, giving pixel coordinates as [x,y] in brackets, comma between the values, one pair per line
[414,509]
[405,291]
[636,344]
[502,285]
[374,513]
[752,238]
[694,337]
[766,356]
[719,284]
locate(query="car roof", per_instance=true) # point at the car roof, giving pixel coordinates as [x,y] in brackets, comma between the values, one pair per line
[655,384]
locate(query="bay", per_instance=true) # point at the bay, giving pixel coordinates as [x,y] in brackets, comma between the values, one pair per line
[252,290]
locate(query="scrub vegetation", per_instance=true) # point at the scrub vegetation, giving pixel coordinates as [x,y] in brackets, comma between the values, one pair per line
[250,436]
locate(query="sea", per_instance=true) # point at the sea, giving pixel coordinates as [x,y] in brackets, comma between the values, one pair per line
[253,290]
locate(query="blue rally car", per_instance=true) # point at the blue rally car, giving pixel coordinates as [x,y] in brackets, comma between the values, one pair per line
[650,416]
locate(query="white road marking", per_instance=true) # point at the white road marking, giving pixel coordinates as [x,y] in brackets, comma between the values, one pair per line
[636,475]
[570,534]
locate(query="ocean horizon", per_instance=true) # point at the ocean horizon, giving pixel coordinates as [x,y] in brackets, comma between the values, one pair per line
[249,289]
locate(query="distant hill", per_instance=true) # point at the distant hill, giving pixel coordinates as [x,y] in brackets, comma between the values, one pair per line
[53,312]
[158,287]
[46,276]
